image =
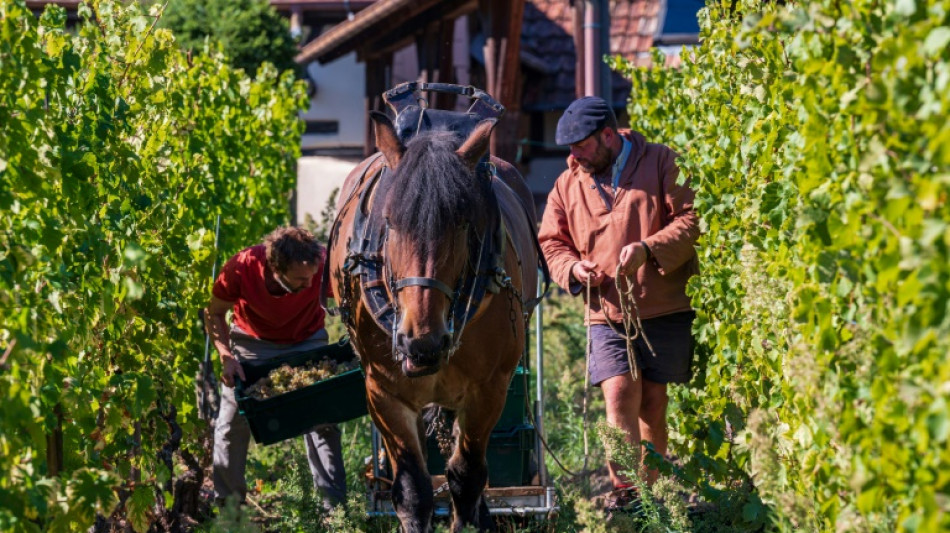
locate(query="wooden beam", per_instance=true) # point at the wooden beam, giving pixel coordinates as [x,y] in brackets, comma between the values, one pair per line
[427,52]
[502,22]
[434,46]
[321,5]
[378,72]
[349,35]
[579,50]
[444,72]
[390,40]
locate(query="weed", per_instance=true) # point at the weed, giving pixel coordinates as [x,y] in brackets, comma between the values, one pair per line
[232,518]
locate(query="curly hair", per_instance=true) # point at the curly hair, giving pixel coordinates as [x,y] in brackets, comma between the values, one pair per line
[288,245]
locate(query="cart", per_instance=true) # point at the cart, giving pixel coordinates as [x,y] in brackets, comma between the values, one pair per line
[519,484]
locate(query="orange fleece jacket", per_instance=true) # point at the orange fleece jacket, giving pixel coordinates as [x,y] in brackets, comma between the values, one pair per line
[582,222]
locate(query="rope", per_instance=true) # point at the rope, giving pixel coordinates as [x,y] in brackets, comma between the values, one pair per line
[587,373]
[631,321]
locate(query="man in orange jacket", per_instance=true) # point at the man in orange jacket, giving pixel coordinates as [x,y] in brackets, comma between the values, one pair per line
[619,204]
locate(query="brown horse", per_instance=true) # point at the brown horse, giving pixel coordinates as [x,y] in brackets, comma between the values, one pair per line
[431,259]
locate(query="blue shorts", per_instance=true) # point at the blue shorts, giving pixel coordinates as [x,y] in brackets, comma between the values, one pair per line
[672,340]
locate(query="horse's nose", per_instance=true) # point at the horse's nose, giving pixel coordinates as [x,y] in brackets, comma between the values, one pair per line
[421,355]
[426,349]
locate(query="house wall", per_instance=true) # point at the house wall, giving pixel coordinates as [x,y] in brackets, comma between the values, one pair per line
[317,178]
[549,159]
[339,97]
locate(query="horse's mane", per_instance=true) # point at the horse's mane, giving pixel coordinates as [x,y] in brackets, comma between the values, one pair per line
[433,191]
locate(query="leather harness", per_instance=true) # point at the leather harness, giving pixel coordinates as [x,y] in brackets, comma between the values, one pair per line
[364,259]
[485,270]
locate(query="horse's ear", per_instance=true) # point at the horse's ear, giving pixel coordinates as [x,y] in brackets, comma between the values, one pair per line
[476,145]
[386,139]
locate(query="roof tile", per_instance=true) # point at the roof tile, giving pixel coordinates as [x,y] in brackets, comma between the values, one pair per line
[547,32]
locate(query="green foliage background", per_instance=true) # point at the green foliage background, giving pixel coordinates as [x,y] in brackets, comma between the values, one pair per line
[250,32]
[116,154]
[818,139]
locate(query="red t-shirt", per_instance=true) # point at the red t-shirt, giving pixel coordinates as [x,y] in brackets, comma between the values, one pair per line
[284,319]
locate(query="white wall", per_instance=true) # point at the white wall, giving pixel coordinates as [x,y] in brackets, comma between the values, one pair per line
[340,88]
[317,177]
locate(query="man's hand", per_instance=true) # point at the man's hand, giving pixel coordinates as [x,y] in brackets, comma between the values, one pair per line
[586,272]
[632,256]
[230,367]
[216,324]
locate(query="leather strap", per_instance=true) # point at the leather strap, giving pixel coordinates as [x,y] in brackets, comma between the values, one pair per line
[405,94]
[424,282]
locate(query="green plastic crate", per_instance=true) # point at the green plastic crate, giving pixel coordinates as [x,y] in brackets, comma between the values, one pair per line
[514,412]
[333,400]
[508,455]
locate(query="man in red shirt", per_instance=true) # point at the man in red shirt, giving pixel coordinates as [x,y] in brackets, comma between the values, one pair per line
[274,290]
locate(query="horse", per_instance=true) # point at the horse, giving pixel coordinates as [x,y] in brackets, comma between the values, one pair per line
[431,257]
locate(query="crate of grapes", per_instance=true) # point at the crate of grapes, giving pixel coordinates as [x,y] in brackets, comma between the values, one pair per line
[286,397]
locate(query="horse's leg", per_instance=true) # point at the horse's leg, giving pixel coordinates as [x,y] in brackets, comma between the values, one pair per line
[412,487]
[467,474]
[484,514]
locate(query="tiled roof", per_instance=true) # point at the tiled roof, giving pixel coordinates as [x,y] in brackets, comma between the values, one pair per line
[547,33]
[632,27]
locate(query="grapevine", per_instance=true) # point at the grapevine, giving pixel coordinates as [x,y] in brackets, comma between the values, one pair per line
[117,152]
[816,137]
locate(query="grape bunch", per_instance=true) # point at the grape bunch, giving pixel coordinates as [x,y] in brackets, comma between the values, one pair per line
[288,378]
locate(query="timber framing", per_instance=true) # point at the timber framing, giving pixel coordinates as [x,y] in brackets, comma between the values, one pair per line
[382,28]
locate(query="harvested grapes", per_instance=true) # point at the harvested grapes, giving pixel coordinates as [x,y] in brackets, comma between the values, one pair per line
[288,378]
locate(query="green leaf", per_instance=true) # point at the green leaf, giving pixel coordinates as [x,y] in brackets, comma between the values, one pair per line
[752,511]
[905,7]
[134,254]
[937,41]
[139,505]
[133,289]
[90,492]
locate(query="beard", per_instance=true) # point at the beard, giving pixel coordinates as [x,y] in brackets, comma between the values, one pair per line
[286,287]
[599,163]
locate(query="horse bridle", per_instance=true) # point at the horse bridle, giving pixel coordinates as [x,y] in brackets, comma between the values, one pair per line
[396,285]
[416,281]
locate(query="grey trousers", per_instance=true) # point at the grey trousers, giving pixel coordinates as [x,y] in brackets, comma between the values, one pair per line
[232,435]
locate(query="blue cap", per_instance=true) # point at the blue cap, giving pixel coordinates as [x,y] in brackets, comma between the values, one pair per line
[582,118]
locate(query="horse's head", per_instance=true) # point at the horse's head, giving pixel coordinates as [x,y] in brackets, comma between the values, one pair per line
[435,205]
